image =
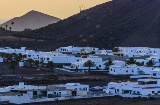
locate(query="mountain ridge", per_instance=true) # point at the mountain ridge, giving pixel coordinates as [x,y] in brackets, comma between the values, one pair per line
[114,23]
[32,20]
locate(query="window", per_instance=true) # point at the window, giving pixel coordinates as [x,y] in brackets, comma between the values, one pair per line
[117,90]
[126,71]
[154,74]
[152,92]
[132,71]
[47,58]
[114,70]
[29,55]
[78,60]
[99,65]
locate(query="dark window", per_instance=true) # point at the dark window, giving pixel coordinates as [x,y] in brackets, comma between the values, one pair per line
[154,74]
[47,58]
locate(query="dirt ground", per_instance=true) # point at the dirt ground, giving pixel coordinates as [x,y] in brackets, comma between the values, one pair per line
[104,101]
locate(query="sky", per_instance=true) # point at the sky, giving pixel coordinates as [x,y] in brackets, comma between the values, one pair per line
[58,8]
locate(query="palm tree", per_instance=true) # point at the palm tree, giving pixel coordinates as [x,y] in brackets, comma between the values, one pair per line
[88,64]
[149,63]
[36,63]
[20,56]
[2,54]
[30,60]
[12,23]
[10,28]
[50,65]
[6,26]
[108,63]
[8,57]
[131,61]
[13,66]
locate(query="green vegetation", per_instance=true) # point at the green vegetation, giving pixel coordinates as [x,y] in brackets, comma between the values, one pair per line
[150,63]
[50,65]
[131,61]
[13,66]
[108,63]
[36,63]
[89,64]
[115,49]
[30,61]
[139,64]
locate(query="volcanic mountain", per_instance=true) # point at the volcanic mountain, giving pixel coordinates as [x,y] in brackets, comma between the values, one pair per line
[31,20]
[114,23]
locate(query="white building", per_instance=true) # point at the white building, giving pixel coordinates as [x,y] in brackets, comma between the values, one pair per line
[23,94]
[138,51]
[141,88]
[155,73]
[77,50]
[119,63]
[129,70]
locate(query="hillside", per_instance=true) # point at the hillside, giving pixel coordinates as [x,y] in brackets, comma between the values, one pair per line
[31,20]
[115,23]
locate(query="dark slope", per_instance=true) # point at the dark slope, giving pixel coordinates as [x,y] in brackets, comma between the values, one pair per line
[115,23]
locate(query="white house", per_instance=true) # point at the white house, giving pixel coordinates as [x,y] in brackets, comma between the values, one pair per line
[155,73]
[141,88]
[119,63]
[129,70]
[77,50]
[138,51]
[80,66]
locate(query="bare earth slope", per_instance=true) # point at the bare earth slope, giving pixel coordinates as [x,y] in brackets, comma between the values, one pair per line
[115,23]
[31,20]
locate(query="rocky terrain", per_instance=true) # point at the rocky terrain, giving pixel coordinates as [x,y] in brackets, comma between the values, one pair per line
[114,23]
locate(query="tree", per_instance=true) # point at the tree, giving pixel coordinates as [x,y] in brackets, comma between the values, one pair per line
[20,56]
[139,64]
[108,63]
[93,52]
[50,65]
[131,61]
[13,66]
[30,60]
[8,57]
[10,28]
[149,63]
[115,49]
[6,26]
[36,63]
[2,54]
[12,23]
[88,64]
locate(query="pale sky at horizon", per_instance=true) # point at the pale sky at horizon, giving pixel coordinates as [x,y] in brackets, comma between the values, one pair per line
[58,8]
